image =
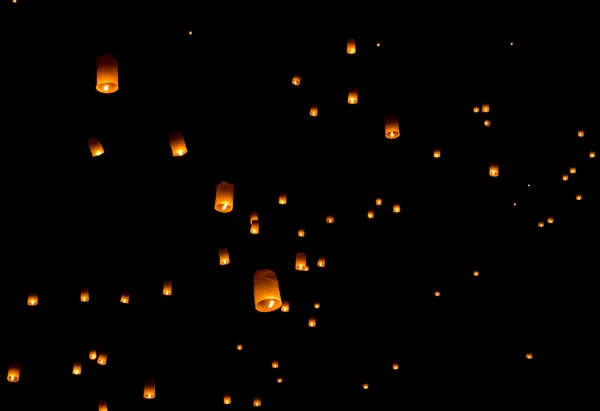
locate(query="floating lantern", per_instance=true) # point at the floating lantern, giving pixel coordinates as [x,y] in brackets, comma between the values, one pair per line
[266,291]
[77,368]
[353,96]
[223,256]
[351,46]
[301,262]
[177,143]
[396,208]
[283,198]
[321,262]
[494,170]
[314,110]
[95,147]
[167,287]
[14,372]
[125,298]
[224,197]
[254,227]
[84,296]
[312,322]
[296,79]
[32,299]
[107,74]
[150,389]
[392,127]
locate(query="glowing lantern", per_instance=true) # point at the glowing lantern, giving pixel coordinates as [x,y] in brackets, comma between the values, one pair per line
[14,372]
[107,74]
[529,356]
[125,298]
[224,197]
[317,305]
[102,358]
[93,355]
[266,291]
[314,110]
[301,232]
[578,197]
[312,322]
[396,208]
[77,368]
[84,295]
[285,307]
[475,273]
[592,154]
[167,287]
[279,380]
[437,153]
[541,224]
[321,262]
[580,133]
[378,201]
[254,227]
[391,126]
[223,256]
[256,401]
[102,406]
[227,399]
[573,170]
[353,96]
[275,364]
[565,177]
[475,109]
[351,46]
[485,108]
[253,216]
[283,198]
[370,214]
[329,219]
[95,147]
[494,170]
[190,32]
[437,293]
[32,299]
[239,347]
[296,79]
[487,123]
[395,366]
[550,220]
[149,389]
[177,143]
[301,262]
[365,386]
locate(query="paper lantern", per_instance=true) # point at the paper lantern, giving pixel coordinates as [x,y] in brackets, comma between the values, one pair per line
[301,232]
[177,143]
[437,153]
[529,356]
[227,399]
[93,355]
[314,110]
[565,177]
[239,347]
[95,147]
[370,214]
[485,108]
[395,366]
[475,109]
[279,380]
[285,307]
[396,208]
[84,295]
[102,406]
[365,386]
[223,256]
[301,262]
[351,46]
[391,126]
[475,273]
[14,372]
[77,368]
[167,287]
[296,79]
[274,364]
[283,198]
[257,402]
[378,201]
[125,298]
[353,96]
[321,262]
[437,293]
[578,197]
[254,227]
[592,154]
[224,197]
[107,74]
[329,219]
[494,169]
[266,291]
[253,216]
[317,305]
[102,358]
[312,322]
[32,299]
[150,389]
[573,170]
[487,123]
[580,133]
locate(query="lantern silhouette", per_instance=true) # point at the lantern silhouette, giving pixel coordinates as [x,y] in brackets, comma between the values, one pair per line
[227,399]
[378,201]
[102,358]
[125,298]
[279,380]
[365,386]
[257,402]
[296,79]
[329,219]
[437,153]
[580,133]
[32,299]
[177,143]
[274,364]
[592,154]
[494,170]
[102,406]
[395,366]
[223,256]
[301,262]
[95,147]
[312,322]
[351,46]
[253,216]
[77,368]
[301,232]
[475,109]
[565,177]
[254,227]
[573,170]
[485,108]
[437,293]
[314,110]
[550,220]
[392,127]
[370,214]
[14,372]
[578,197]
[266,291]
[107,74]
[283,198]
[529,356]
[167,287]
[149,389]
[396,208]
[224,197]
[84,295]
[487,123]
[321,262]
[353,96]
[285,307]
[93,355]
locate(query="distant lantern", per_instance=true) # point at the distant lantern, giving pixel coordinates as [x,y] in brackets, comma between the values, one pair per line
[494,169]
[227,399]
[95,147]
[102,406]
[321,262]
[150,389]
[485,108]
[365,386]
[580,133]
[475,273]
[177,143]
[550,220]
[77,368]
[279,380]
[102,358]
[239,347]
[370,214]
[32,299]
[167,287]
[224,197]
[296,79]
[565,177]
[541,224]
[257,402]
[476,109]
[14,372]
[529,356]
[391,126]
[396,208]
[223,256]
[301,262]
[125,298]
[329,219]
[395,366]
[92,356]
[84,295]
[578,197]
[254,227]
[274,364]
[107,74]
[285,307]
[437,153]
[317,305]
[283,198]
[253,216]
[487,123]
[592,154]
[378,201]
[437,293]
[266,291]
[314,110]
[573,170]
[301,232]
[353,96]
[312,322]
[351,46]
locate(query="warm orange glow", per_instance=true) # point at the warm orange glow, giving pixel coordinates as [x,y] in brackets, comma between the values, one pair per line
[283,198]
[396,208]
[391,126]
[266,291]
[353,96]
[365,386]
[540,224]
[254,227]
[301,232]
[487,123]
[321,262]
[378,201]
[550,220]
[437,293]
[578,197]
[580,133]
[95,147]
[476,109]
[485,108]
[317,305]
[102,406]
[32,299]
[93,355]
[395,366]
[529,356]
[177,143]
[573,170]
[329,219]
[378,44]
[312,322]
[351,46]
[190,32]
[253,216]
[14,372]
[279,380]
[125,297]
[565,177]
[314,110]
[224,197]
[301,262]
[274,364]
[285,307]
[149,389]
[256,401]
[437,153]
[592,154]
[77,368]
[370,214]
[475,273]
[102,358]
[84,296]
[494,169]
[296,79]
[239,347]
[223,256]
[227,399]
[107,74]
[167,287]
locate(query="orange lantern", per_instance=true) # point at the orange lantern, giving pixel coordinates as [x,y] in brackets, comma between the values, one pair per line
[239,347]
[253,216]
[224,197]
[257,402]
[254,227]
[485,108]
[580,133]
[124,298]
[227,399]
[77,368]
[283,198]
[95,147]
[487,123]
[301,232]
[150,389]
[475,109]
[84,295]
[392,127]
[223,256]
[378,201]
[285,307]
[494,170]
[329,219]
[351,46]
[396,208]
[274,364]
[32,299]
[301,262]
[395,366]
[93,355]
[102,358]
[177,143]
[565,177]
[296,79]
[266,291]
[102,406]
[437,153]
[353,96]
[14,372]
[370,214]
[314,110]
[107,74]
[321,262]
[573,170]
[592,154]
[167,287]
[312,322]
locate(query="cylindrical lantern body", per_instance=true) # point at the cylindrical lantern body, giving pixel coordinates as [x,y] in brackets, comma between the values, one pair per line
[254,227]
[353,96]
[301,232]
[329,219]
[257,402]
[494,169]
[321,262]
[167,287]
[485,108]
[177,143]
[266,291]
[296,79]
[437,153]
[102,406]
[85,295]
[95,147]
[32,299]
[253,216]
[14,372]
[102,358]
[107,74]
[223,256]
[301,262]
[93,355]
[227,399]
[224,197]
[396,208]
[149,389]
[351,46]
[283,198]
[312,322]
[125,298]
[314,110]
[77,368]
[285,307]
[392,127]
[275,364]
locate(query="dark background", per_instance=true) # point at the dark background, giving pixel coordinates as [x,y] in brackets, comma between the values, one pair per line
[136,216]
